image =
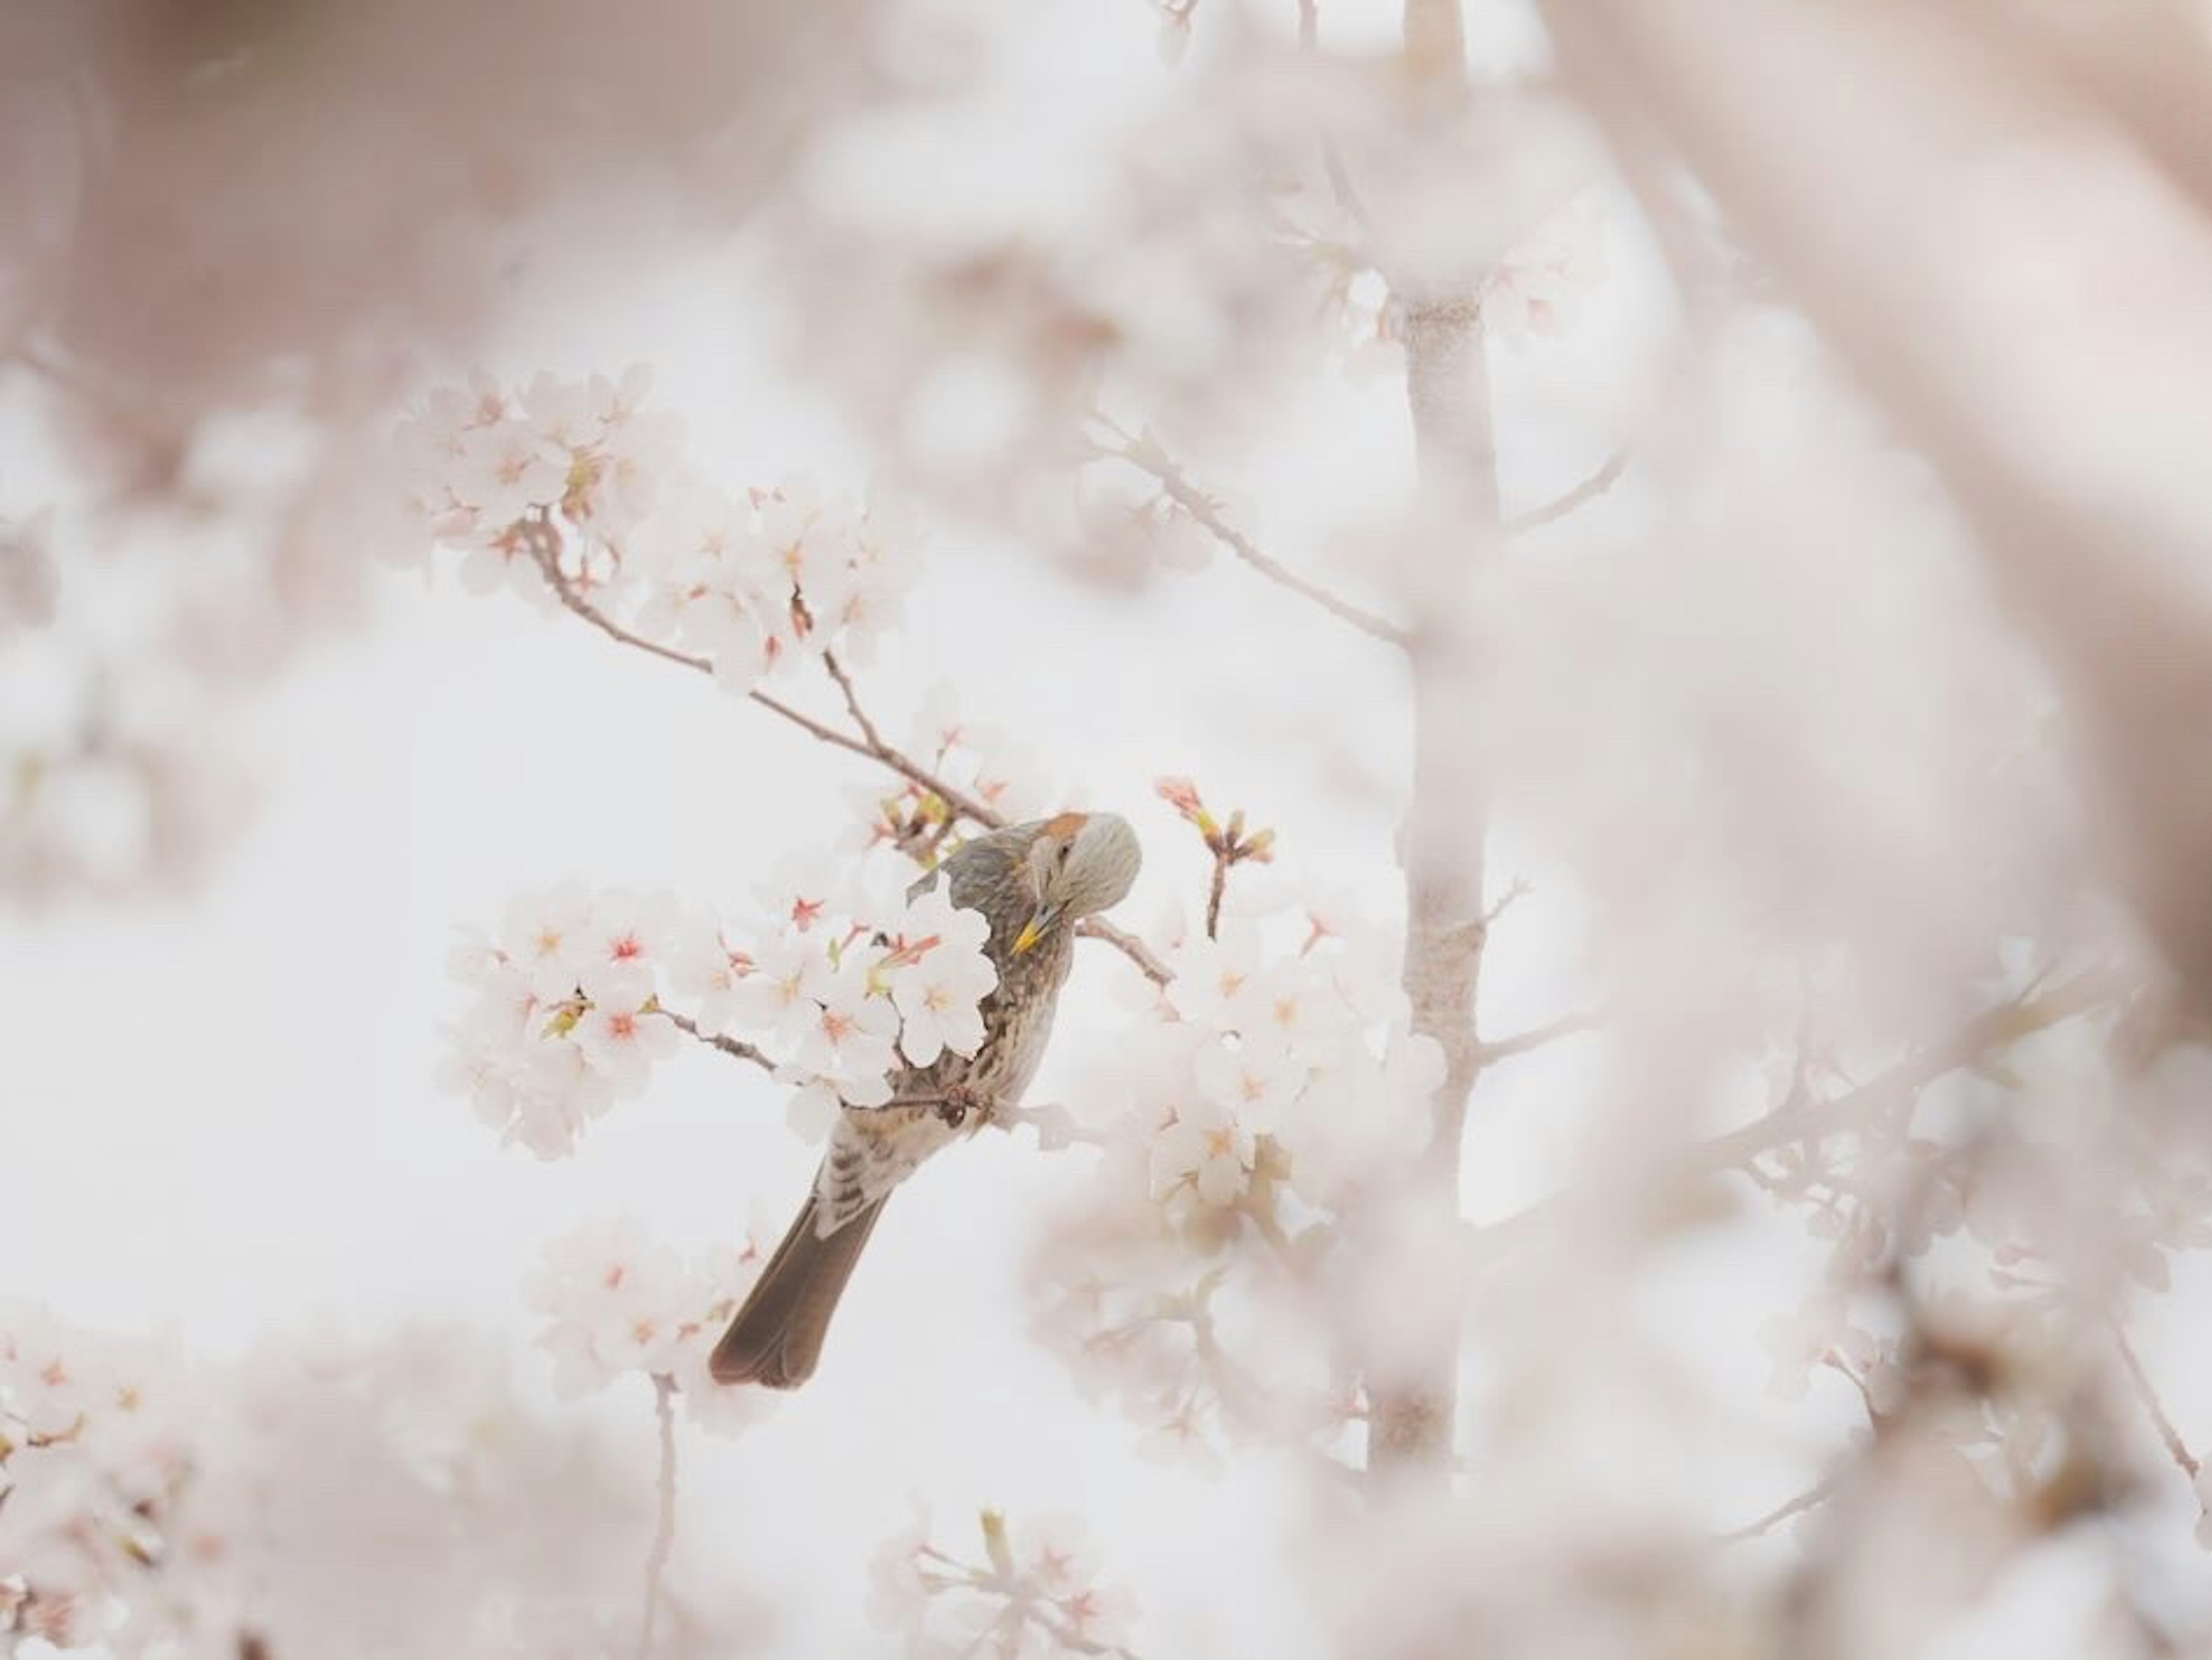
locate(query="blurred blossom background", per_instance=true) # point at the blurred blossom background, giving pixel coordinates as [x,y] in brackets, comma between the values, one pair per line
[1637,566]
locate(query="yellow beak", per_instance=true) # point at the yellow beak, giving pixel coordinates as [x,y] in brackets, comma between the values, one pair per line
[1034,930]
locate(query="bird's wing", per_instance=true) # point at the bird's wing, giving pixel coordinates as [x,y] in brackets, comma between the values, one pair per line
[871,1151]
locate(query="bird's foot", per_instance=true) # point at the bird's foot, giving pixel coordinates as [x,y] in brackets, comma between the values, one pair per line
[959,1101]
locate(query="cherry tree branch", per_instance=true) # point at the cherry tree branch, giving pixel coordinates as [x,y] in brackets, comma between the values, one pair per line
[1803,1118]
[663,1537]
[685,1024]
[2176,1448]
[1817,1493]
[1414,1397]
[1055,1126]
[1145,454]
[1994,1029]
[1128,945]
[1516,891]
[1215,890]
[1559,507]
[875,739]
[542,540]
[1567,1025]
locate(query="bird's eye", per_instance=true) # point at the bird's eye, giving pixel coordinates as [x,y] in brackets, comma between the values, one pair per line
[1059,854]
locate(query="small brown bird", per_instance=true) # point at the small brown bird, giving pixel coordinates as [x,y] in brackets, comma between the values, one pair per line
[1032,883]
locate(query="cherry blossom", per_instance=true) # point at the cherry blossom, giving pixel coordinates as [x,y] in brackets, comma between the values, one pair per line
[939,993]
[1361,1120]
[775,996]
[616,1302]
[712,586]
[619,1304]
[623,1044]
[586,475]
[565,1018]
[195,1504]
[505,470]
[1034,1592]
[806,890]
[1536,291]
[1209,974]
[1252,1079]
[1207,1149]
[1820,1333]
[705,969]
[979,756]
[851,1040]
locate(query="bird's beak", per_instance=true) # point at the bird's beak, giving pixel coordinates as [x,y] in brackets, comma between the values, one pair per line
[1046,916]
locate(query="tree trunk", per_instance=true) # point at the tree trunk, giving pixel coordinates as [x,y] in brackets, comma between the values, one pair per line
[1413,1407]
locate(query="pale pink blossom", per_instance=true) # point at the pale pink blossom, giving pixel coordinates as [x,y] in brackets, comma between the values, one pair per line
[616,1303]
[564,1017]
[1205,1152]
[1251,1079]
[776,997]
[622,1045]
[939,993]
[850,1041]
[1538,288]
[812,1110]
[505,471]
[805,892]
[1209,974]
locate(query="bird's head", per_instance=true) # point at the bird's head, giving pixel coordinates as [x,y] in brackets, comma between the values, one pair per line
[1080,863]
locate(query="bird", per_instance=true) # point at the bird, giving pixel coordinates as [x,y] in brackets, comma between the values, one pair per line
[1032,882]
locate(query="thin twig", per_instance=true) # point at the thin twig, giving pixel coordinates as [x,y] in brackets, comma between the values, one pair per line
[1836,1363]
[1516,891]
[543,542]
[1817,1493]
[1220,886]
[663,1537]
[1553,511]
[1093,928]
[1054,1124]
[1147,456]
[2176,1448]
[1993,1029]
[853,702]
[1567,1025]
[744,1051]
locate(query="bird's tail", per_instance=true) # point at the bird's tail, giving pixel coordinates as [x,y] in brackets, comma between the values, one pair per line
[776,1338]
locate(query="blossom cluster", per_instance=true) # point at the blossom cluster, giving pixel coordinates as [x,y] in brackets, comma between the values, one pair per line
[617,1304]
[1272,1081]
[1030,1596]
[579,485]
[848,982]
[160,1508]
[565,1018]
[975,757]
[1308,1048]
[1537,291]
[92,1439]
